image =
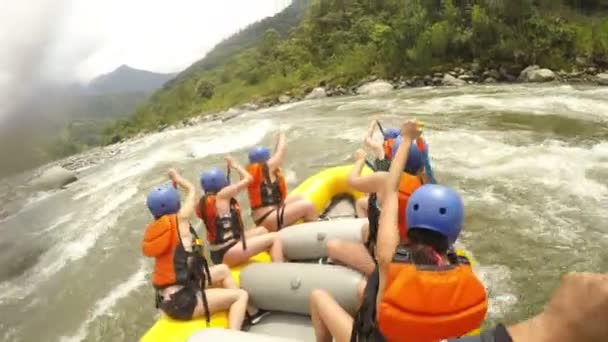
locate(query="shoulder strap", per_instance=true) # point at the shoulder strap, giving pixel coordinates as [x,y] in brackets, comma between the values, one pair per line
[240,227]
[203,206]
[266,173]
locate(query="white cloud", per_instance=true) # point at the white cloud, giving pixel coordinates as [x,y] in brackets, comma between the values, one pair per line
[164,36]
[59,40]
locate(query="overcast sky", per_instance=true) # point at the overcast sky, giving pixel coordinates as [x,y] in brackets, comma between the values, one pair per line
[159,35]
[59,40]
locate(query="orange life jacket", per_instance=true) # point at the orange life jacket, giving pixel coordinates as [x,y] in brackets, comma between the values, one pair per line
[262,191]
[407,185]
[163,242]
[388,148]
[174,265]
[221,229]
[430,303]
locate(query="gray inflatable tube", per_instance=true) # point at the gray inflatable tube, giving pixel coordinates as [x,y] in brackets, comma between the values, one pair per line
[224,335]
[287,286]
[308,240]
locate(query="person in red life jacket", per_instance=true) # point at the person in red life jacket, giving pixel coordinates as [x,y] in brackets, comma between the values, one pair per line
[383,153]
[221,213]
[271,207]
[181,274]
[360,255]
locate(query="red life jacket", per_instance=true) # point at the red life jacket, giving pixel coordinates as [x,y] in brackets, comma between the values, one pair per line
[262,191]
[221,229]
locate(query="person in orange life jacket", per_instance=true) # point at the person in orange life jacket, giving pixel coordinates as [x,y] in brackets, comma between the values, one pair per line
[181,273]
[383,153]
[220,212]
[577,312]
[329,319]
[360,255]
[270,205]
[396,305]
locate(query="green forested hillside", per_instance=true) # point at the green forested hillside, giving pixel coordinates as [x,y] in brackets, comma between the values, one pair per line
[343,41]
[282,23]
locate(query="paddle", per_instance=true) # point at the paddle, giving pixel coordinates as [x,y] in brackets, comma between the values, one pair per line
[425,155]
[380,127]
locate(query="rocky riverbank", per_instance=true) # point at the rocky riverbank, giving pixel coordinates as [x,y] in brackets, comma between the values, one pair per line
[460,76]
[473,74]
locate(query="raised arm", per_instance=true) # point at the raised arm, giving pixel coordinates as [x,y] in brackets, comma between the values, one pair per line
[277,158]
[233,190]
[388,231]
[370,183]
[186,210]
[371,128]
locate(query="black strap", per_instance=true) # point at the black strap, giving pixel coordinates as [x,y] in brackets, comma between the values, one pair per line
[373,215]
[498,334]
[280,216]
[370,165]
[238,228]
[380,127]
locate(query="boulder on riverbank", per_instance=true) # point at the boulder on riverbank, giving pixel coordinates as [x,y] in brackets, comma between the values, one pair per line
[284,99]
[53,178]
[449,80]
[602,79]
[317,93]
[535,74]
[375,88]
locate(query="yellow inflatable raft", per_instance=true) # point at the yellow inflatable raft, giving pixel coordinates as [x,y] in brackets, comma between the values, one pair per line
[322,189]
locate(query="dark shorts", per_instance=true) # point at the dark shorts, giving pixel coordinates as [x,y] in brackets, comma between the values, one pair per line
[217,256]
[281,212]
[181,304]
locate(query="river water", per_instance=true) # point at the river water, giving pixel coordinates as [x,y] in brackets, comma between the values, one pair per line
[530,161]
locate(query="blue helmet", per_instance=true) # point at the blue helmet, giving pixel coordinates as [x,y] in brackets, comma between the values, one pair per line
[163,200]
[414,161]
[259,154]
[391,133]
[438,208]
[213,180]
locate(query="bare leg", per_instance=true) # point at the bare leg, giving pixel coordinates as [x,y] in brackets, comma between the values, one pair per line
[255,232]
[294,211]
[365,232]
[294,198]
[221,276]
[328,318]
[233,300]
[255,244]
[351,254]
[361,206]
[361,290]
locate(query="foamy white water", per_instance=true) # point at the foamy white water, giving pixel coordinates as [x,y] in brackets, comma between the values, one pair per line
[530,161]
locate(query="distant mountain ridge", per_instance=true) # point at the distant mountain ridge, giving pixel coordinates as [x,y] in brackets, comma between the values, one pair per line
[126,79]
[62,119]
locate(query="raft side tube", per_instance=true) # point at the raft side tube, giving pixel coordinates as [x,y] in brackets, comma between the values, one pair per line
[286,287]
[286,325]
[322,187]
[225,335]
[308,240]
